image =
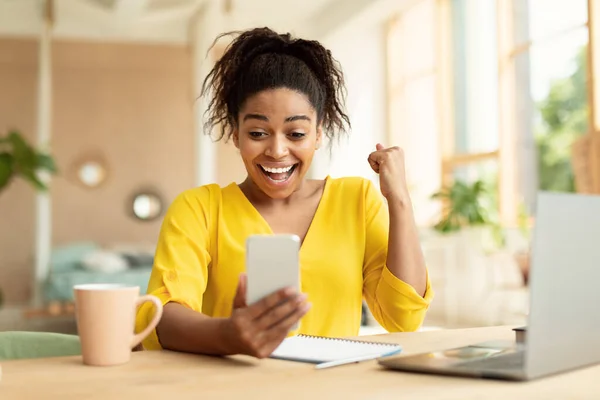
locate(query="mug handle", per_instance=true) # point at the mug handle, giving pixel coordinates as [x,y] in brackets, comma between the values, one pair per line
[137,339]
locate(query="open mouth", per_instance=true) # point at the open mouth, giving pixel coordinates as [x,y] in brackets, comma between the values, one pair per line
[278,175]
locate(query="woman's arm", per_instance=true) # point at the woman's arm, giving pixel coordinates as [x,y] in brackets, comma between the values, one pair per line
[404,257]
[179,279]
[182,329]
[391,262]
[254,330]
[180,271]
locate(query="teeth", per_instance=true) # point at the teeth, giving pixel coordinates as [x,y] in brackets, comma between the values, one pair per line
[277,170]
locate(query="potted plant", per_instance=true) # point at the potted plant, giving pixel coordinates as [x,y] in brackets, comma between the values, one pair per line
[18,159]
[464,206]
[522,256]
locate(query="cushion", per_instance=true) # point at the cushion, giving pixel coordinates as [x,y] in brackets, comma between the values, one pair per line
[20,344]
[69,257]
[103,261]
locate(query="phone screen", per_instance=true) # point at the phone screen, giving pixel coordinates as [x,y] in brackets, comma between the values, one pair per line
[272,263]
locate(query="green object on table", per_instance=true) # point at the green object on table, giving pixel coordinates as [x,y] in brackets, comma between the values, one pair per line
[16,345]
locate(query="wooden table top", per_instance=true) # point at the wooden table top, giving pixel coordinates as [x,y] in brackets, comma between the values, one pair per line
[177,376]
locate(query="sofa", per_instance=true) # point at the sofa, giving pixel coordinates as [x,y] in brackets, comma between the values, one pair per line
[87,262]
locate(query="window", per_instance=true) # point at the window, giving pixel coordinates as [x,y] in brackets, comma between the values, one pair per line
[492,90]
[543,47]
[418,105]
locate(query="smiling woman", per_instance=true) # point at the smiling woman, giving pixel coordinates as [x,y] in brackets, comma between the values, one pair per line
[276,97]
[277,138]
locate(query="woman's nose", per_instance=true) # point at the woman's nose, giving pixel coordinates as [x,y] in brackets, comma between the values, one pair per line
[276,147]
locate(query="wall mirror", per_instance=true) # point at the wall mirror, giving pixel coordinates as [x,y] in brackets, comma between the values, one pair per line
[91,174]
[146,205]
[89,171]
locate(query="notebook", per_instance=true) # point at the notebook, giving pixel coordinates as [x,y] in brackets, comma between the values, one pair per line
[322,350]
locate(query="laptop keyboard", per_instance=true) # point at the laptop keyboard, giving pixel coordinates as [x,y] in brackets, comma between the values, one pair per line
[505,361]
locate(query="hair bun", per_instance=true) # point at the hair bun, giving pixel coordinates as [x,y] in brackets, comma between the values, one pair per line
[302,65]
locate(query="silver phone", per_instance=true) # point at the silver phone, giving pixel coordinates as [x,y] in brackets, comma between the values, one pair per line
[272,263]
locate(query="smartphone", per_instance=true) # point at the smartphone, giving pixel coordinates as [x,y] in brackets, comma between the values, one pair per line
[272,263]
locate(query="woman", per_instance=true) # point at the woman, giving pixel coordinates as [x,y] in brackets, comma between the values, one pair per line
[276,97]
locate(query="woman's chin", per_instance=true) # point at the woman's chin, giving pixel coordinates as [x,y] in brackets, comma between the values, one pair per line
[279,189]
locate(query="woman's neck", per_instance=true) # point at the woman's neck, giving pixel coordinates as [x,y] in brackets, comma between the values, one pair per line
[258,197]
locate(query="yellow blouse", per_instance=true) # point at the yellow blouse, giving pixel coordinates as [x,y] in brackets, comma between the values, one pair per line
[200,255]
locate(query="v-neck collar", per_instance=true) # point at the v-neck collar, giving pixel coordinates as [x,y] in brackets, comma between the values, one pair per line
[252,209]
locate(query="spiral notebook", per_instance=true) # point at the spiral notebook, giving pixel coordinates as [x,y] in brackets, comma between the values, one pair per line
[331,351]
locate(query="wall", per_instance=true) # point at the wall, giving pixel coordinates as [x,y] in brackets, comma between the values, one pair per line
[360,49]
[230,167]
[18,74]
[130,103]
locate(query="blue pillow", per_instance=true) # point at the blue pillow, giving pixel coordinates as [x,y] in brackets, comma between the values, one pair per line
[68,257]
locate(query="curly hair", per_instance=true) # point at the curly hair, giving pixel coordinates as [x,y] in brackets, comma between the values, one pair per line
[261,59]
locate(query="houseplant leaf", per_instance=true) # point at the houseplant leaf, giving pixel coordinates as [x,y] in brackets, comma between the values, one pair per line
[463,206]
[6,169]
[32,178]
[45,161]
[24,155]
[19,158]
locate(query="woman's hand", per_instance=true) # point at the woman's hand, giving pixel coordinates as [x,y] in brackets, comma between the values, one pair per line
[389,164]
[258,329]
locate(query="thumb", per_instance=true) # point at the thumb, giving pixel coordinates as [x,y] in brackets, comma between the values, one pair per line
[379,147]
[240,295]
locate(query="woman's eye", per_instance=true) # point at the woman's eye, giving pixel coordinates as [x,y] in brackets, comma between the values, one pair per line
[257,134]
[298,135]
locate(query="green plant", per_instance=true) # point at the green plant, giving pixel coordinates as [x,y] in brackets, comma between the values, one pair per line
[563,117]
[19,159]
[463,206]
[470,205]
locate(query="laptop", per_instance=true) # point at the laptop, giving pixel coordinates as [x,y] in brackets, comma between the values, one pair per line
[563,326]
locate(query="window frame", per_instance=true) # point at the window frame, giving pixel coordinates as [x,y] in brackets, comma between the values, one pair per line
[507,153]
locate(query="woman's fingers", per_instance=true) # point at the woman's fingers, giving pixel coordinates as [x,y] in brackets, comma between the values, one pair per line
[261,327]
[285,324]
[279,330]
[268,302]
[281,312]
[275,334]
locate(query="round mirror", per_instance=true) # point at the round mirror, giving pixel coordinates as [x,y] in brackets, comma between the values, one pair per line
[147,206]
[91,173]
[90,170]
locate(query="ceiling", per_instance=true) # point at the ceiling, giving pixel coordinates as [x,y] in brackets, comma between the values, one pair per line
[153,20]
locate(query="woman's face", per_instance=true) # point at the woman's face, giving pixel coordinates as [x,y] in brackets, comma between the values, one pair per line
[277,136]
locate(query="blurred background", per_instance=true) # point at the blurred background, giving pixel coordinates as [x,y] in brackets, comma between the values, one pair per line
[101,127]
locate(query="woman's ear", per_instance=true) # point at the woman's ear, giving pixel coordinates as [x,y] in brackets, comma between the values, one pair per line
[319,137]
[236,138]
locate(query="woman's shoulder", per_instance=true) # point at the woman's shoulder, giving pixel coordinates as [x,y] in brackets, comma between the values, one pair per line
[205,197]
[347,185]
[200,193]
[350,192]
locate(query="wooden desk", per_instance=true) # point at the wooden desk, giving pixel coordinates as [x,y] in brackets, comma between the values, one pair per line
[175,376]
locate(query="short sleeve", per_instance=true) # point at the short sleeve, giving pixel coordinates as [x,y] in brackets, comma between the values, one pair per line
[395,304]
[182,258]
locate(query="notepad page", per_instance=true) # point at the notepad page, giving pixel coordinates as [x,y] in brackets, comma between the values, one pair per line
[317,350]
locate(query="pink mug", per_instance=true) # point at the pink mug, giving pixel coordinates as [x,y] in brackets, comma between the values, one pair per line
[105,315]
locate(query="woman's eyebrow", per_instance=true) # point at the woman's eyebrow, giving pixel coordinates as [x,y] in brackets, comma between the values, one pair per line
[259,117]
[297,118]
